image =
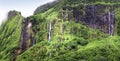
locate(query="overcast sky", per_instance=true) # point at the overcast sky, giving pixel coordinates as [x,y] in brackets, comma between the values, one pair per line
[26,7]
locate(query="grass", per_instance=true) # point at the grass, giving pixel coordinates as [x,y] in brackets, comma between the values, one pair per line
[8,38]
[83,44]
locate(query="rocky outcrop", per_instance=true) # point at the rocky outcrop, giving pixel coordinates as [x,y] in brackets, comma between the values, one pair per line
[12,14]
[104,21]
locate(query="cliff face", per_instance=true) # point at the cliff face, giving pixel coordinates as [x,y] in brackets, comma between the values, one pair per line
[27,36]
[64,31]
[18,32]
[96,16]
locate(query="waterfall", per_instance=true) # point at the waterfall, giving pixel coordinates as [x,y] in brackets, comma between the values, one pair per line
[27,36]
[33,41]
[50,29]
[70,16]
[111,23]
[94,17]
[29,25]
[31,35]
[64,16]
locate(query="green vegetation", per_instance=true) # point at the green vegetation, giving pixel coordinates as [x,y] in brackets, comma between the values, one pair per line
[70,41]
[10,32]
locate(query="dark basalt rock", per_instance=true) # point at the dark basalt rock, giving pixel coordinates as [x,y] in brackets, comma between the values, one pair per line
[12,14]
[102,20]
[94,16]
[26,35]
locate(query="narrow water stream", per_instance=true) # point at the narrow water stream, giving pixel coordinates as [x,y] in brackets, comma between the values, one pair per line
[50,30]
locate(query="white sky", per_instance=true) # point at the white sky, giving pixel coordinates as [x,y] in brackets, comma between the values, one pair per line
[26,7]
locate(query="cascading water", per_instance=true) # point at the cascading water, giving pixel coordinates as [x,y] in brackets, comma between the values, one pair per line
[96,19]
[33,41]
[32,34]
[94,16]
[24,35]
[109,22]
[50,30]
[27,36]
[64,15]
[70,19]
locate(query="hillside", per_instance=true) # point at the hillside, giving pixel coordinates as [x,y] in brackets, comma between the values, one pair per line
[63,30]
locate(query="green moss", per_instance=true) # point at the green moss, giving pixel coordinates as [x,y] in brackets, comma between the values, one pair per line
[105,50]
[76,42]
[10,37]
[117,22]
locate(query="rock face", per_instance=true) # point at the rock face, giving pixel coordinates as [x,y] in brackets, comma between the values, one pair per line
[12,14]
[95,16]
[28,36]
[104,21]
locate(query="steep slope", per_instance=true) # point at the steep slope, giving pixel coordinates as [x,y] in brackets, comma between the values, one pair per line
[66,35]
[16,36]
[10,33]
[80,30]
[102,50]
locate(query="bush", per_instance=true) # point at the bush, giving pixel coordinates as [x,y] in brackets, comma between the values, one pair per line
[81,41]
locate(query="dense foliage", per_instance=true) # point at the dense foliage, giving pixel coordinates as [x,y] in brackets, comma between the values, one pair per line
[10,32]
[45,7]
[69,40]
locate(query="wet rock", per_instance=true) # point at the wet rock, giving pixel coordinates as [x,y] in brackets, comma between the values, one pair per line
[94,16]
[28,36]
